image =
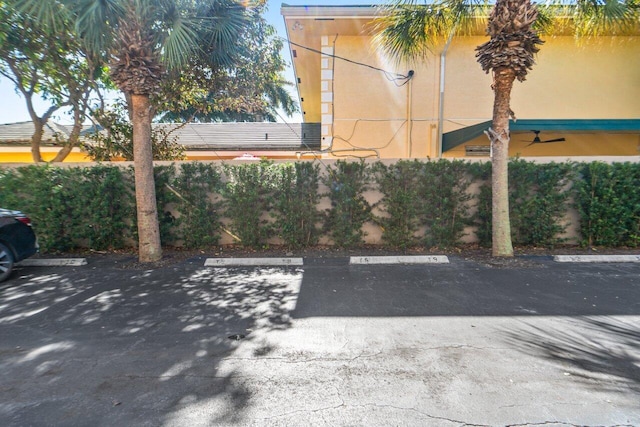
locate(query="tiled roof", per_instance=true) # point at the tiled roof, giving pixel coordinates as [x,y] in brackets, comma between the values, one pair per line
[204,136]
[22,131]
[236,136]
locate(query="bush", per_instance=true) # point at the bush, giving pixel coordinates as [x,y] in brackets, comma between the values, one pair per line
[539,196]
[196,188]
[608,201]
[296,204]
[247,198]
[400,204]
[347,182]
[422,202]
[72,207]
[445,200]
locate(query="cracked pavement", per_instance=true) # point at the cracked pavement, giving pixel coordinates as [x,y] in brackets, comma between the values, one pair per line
[462,344]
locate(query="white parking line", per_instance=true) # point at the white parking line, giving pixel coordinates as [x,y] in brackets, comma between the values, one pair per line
[52,262]
[229,262]
[596,258]
[409,259]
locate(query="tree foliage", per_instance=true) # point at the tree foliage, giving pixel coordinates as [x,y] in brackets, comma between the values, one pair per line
[252,88]
[141,40]
[54,67]
[113,138]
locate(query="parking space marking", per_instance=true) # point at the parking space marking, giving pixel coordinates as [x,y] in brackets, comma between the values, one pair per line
[408,259]
[596,258]
[230,262]
[52,262]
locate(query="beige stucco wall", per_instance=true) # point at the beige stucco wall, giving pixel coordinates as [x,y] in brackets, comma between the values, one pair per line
[589,79]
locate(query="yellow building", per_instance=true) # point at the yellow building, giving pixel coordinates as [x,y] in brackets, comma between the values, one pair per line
[15,143]
[581,99]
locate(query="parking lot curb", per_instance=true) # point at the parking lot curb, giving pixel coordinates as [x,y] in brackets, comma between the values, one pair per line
[53,262]
[407,259]
[267,262]
[596,258]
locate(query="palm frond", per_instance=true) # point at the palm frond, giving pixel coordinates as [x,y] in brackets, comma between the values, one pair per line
[410,30]
[181,42]
[96,20]
[222,25]
[591,18]
[52,14]
[279,97]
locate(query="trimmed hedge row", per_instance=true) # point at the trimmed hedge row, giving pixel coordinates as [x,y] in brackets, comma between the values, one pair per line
[430,203]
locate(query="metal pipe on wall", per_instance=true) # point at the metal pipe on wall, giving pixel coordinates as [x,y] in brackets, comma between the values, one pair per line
[443,69]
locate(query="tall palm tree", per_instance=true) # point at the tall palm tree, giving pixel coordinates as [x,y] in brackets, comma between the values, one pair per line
[141,40]
[509,55]
[410,30]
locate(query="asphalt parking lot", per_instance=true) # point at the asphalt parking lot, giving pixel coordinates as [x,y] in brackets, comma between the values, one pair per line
[323,343]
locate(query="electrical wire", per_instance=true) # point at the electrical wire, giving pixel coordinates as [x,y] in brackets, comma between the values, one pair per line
[404,122]
[398,79]
[357,121]
[391,76]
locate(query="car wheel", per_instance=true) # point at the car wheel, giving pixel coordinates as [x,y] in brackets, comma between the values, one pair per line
[6,262]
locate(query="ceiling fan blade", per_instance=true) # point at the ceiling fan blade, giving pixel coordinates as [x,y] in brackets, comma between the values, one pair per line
[554,140]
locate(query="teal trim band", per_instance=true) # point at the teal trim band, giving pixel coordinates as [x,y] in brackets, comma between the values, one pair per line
[457,137]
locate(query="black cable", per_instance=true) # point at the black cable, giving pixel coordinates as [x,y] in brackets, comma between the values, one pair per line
[388,74]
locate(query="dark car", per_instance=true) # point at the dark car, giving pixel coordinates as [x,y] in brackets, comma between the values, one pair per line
[17,240]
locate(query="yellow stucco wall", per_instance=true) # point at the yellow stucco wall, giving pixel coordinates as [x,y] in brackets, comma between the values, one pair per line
[594,79]
[23,155]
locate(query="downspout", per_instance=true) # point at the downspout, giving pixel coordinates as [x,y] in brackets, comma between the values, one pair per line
[409,113]
[443,68]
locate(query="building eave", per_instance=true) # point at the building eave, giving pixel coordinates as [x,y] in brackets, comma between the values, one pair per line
[319,11]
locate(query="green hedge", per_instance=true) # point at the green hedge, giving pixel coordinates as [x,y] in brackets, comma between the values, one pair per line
[539,198]
[72,207]
[608,201]
[422,203]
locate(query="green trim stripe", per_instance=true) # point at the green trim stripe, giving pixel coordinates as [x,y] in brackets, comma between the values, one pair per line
[460,136]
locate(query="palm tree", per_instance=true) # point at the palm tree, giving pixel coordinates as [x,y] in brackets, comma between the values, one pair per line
[509,55]
[141,40]
[409,30]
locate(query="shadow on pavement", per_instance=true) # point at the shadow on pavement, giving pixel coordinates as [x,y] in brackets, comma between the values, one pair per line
[136,347]
[469,289]
[109,346]
[589,349]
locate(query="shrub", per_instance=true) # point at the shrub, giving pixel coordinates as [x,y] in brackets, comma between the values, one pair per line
[539,198]
[247,199]
[196,187]
[608,201]
[400,204]
[72,207]
[296,204]
[445,199]
[347,182]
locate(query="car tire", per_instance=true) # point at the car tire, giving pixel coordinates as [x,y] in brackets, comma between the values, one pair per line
[6,262]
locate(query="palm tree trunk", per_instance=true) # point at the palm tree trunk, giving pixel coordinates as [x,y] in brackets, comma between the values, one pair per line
[148,228]
[501,227]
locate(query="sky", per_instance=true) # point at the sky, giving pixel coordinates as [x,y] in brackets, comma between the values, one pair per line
[13,107]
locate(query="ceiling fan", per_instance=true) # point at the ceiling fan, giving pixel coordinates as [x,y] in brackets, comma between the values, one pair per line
[537,140]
